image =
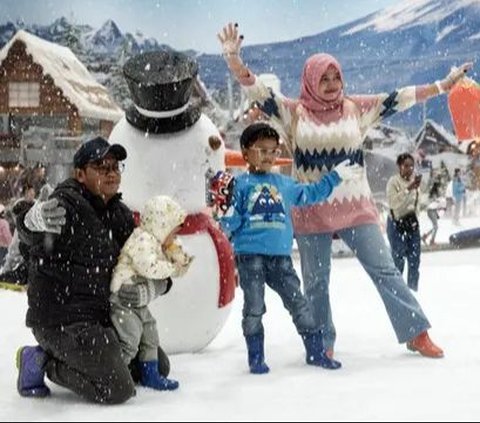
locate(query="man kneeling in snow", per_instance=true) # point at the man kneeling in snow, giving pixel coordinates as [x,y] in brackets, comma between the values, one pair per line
[75,239]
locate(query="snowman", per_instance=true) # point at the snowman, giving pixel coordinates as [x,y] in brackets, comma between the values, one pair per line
[171,147]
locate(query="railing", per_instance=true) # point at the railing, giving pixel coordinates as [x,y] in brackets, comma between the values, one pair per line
[9,141]
[10,148]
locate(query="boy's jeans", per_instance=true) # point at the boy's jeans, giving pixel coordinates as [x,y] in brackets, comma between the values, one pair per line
[367,242]
[278,273]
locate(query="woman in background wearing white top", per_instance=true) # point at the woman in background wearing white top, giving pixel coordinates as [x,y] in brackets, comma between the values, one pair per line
[435,204]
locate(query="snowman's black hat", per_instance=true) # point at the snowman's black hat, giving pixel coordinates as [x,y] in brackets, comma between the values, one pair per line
[161,84]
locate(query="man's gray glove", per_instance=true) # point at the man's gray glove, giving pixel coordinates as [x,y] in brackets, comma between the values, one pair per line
[46,216]
[143,292]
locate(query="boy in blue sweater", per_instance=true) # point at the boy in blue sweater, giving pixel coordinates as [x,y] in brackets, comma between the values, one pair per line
[258,222]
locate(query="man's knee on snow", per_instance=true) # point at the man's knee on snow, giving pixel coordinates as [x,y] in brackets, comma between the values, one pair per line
[117,392]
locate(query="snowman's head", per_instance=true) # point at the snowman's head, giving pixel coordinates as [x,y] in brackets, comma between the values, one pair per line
[161,217]
[161,84]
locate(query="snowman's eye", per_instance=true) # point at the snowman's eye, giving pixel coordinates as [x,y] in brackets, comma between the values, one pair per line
[263,202]
[271,202]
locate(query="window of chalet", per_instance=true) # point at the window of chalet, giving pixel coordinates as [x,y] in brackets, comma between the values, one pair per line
[23,94]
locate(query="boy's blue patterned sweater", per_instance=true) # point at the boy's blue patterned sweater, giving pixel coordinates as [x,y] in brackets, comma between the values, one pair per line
[259,219]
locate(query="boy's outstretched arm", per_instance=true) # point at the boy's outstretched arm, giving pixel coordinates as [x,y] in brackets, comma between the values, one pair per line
[308,194]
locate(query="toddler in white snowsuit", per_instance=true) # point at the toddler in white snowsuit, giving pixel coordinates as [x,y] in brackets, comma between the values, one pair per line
[150,257]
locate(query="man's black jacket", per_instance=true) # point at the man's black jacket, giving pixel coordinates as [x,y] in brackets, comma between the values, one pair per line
[70,274]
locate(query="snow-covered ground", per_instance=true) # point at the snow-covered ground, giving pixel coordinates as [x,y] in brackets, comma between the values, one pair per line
[447,228]
[380,379]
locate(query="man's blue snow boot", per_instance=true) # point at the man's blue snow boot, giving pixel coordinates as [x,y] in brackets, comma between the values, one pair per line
[150,377]
[256,355]
[31,363]
[316,354]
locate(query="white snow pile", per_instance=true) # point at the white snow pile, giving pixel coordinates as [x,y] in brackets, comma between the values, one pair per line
[380,381]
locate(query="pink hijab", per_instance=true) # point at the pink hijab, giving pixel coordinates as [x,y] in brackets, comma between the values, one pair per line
[319,109]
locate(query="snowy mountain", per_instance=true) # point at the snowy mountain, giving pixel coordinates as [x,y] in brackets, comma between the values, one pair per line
[414,42]
[411,13]
[7,31]
[108,40]
[102,50]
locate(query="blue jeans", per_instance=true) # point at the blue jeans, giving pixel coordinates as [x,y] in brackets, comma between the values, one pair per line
[367,242]
[278,273]
[406,246]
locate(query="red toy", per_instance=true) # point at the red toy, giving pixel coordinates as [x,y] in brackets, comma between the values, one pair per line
[220,190]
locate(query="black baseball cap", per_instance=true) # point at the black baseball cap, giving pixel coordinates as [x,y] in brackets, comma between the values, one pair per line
[97,149]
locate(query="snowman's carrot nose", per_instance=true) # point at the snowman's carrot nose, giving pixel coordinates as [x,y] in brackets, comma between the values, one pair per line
[235,159]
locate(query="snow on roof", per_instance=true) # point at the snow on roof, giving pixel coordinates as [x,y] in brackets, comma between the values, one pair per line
[449,137]
[70,75]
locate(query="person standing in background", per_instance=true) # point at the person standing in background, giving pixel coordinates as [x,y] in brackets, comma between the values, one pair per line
[403,228]
[5,235]
[459,195]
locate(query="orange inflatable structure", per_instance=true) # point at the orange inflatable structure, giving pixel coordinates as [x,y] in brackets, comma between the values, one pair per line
[464,105]
[235,159]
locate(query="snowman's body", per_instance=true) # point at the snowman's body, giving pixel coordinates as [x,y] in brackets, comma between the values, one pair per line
[174,164]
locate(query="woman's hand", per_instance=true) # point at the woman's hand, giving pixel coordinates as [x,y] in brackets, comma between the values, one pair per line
[349,172]
[230,40]
[455,75]
[231,46]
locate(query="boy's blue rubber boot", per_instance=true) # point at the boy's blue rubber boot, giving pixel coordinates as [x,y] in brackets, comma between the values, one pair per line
[256,355]
[316,354]
[31,363]
[150,377]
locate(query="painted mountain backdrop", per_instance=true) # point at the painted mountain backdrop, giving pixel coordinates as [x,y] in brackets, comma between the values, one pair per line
[415,42]
[107,40]
[102,50]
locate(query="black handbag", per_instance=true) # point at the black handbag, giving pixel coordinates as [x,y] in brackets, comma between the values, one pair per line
[407,224]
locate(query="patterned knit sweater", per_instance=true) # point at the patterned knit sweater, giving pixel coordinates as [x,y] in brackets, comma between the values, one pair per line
[318,148]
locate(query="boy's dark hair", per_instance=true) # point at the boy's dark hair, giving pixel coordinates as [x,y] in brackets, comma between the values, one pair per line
[255,132]
[403,158]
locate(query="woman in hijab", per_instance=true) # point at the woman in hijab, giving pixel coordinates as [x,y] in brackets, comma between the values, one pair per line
[322,128]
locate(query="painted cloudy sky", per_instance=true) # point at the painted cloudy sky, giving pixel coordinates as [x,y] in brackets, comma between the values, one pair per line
[186,24]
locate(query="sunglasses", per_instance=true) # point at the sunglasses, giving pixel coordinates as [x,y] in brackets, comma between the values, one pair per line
[105,168]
